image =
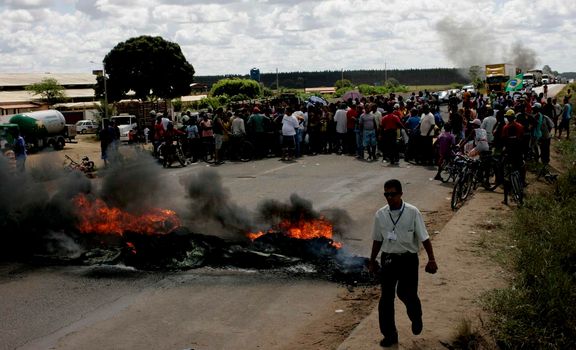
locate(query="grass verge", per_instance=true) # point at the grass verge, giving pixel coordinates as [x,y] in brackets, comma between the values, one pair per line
[538,310]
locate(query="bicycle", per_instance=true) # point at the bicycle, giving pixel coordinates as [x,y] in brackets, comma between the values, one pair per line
[513,183]
[172,152]
[241,149]
[462,184]
[450,168]
[547,175]
[85,165]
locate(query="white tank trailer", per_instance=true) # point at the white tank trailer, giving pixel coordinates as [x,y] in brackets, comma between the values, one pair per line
[42,128]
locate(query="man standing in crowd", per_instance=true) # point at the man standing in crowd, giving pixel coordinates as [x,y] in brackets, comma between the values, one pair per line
[20,152]
[257,132]
[341,128]
[398,230]
[565,118]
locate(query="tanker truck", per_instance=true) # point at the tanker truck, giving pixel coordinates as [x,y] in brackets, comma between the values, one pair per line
[41,129]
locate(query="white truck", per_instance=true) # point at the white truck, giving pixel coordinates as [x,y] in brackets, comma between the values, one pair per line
[536,76]
[126,123]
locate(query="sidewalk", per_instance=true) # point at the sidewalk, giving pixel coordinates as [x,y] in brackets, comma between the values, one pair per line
[452,294]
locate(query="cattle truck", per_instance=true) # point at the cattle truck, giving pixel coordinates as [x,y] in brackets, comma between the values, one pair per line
[497,75]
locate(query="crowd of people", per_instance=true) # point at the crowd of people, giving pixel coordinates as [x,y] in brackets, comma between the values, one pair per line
[381,128]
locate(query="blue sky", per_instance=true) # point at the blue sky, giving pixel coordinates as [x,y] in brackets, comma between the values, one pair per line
[232,36]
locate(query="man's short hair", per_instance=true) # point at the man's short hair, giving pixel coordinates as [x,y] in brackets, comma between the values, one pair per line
[393,183]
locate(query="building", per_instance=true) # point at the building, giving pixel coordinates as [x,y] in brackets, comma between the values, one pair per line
[78,89]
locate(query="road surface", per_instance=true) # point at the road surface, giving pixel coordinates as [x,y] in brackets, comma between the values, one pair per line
[119,308]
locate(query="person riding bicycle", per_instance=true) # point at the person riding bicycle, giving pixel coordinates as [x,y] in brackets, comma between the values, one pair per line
[478,139]
[169,136]
[512,136]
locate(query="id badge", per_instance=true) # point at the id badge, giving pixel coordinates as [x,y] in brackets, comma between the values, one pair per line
[392,236]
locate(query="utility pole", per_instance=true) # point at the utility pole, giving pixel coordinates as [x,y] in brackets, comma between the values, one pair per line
[105,92]
[342,79]
[105,88]
[385,73]
[277,86]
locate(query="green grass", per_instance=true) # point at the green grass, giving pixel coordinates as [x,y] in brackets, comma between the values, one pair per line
[538,311]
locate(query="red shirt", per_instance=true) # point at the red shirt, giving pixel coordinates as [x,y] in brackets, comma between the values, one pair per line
[351,115]
[158,131]
[509,132]
[391,122]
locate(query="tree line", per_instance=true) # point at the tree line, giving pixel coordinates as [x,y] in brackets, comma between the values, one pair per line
[299,80]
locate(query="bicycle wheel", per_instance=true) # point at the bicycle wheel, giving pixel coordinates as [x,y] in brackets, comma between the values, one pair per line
[517,189]
[89,166]
[457,193]
[446,171]
[246,151]
[467,186]
[180,156]
[491,177]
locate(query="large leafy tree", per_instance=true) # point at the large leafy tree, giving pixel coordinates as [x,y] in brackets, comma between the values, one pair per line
[49,89]
[150,66]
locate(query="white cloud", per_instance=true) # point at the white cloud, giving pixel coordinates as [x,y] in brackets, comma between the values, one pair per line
[232,36]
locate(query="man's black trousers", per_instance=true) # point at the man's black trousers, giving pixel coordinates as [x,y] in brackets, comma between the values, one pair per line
[399,274]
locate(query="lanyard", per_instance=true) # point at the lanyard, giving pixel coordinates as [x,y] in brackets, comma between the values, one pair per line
[398,219]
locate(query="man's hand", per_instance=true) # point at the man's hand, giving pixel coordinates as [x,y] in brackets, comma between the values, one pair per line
[431,267]
[373,266]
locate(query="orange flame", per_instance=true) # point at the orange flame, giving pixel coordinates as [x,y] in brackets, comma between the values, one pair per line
[97,217]
[303,229]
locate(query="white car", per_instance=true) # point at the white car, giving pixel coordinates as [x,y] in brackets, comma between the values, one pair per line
[86,126]
[470,88]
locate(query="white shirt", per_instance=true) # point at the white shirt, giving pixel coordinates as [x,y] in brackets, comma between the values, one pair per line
[238,127]
[409,230]
[289,125]
[488,124]
[426,122]
[341,121]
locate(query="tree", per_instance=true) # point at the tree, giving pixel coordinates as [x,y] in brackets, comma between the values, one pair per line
[235,86]
[546,69]
[392,83]
[342,83]
[49,89]
[475,73]
[150,66]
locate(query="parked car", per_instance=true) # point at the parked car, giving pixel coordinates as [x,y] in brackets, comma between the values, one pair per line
[86,126]
[470,88]
[443,96]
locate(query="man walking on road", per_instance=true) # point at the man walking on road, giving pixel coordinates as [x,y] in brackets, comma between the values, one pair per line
[398,230]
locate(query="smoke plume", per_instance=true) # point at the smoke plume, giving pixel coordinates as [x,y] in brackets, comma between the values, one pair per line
[468,45]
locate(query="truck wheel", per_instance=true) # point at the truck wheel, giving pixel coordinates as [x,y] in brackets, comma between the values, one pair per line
[59,144]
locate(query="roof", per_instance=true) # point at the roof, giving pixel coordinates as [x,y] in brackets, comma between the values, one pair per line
[322,90]
[27,96]
[193,98]
[23,79]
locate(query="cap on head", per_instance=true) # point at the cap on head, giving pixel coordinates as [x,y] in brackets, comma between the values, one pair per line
[509,113]
[477,122]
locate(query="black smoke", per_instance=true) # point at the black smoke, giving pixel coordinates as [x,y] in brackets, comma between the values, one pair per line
[474,44]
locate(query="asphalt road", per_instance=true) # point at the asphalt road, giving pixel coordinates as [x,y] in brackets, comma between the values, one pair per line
[98,307]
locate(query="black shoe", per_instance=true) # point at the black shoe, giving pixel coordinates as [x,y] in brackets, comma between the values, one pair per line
[417,326]
[390,341]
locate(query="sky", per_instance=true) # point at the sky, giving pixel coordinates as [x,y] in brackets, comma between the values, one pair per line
[232,36]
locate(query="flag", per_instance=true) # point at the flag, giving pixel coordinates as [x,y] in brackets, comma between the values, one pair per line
[515,84]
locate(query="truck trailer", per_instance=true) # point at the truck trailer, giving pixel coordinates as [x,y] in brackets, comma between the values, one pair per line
[497,75]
